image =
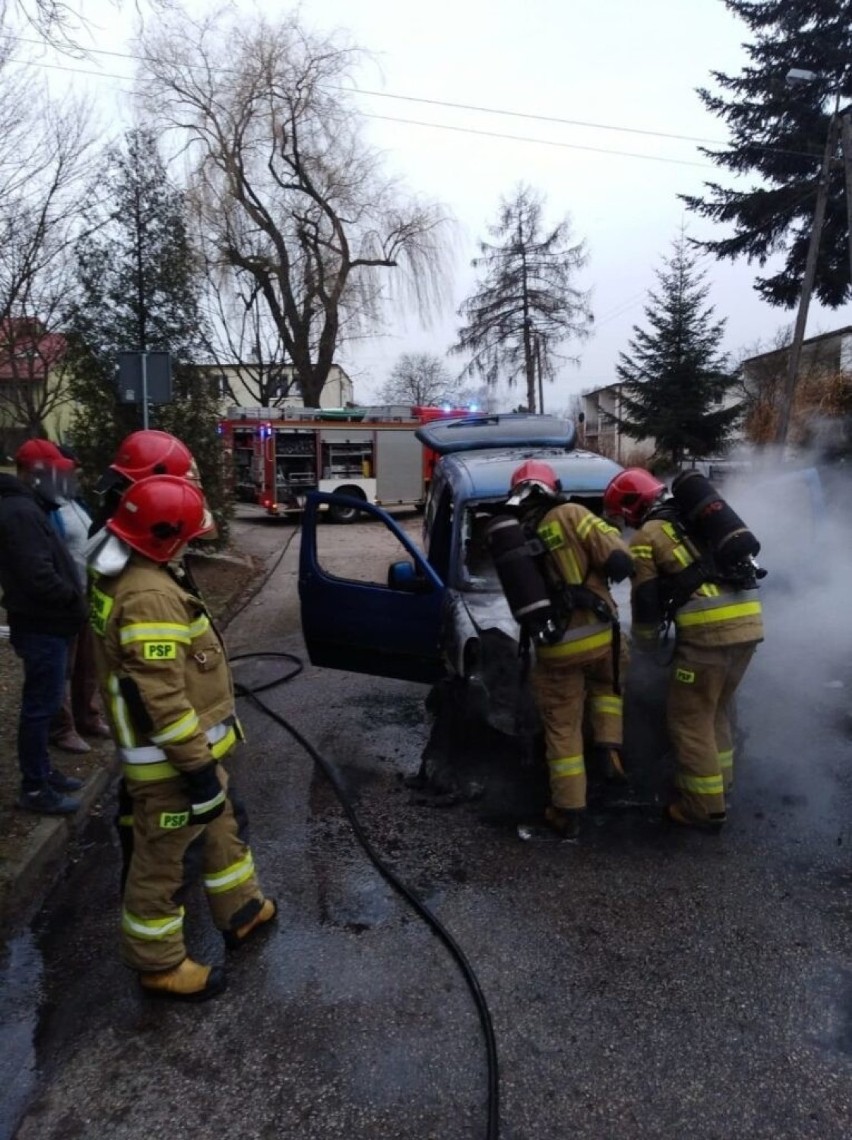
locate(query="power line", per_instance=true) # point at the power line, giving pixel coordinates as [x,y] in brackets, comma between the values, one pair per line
[540,142]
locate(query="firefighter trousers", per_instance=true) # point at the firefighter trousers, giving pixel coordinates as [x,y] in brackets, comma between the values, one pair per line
[701,686]
[563,694]
[152,936]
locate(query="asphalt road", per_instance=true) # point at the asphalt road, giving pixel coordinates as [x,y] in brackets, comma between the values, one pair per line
[644,984]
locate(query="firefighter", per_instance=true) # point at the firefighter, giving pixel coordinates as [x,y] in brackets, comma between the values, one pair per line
[578,667]
[718,625]
[169,696]
[140,454]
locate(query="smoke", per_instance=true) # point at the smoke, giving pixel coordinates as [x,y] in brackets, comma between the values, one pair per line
[794,702]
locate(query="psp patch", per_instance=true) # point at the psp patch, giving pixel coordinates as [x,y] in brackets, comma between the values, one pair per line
[160,650]
[171,820]
[685,676]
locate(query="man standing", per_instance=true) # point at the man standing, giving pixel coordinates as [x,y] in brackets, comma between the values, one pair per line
[718,625]
[168,693]
[46,608]
[579,668]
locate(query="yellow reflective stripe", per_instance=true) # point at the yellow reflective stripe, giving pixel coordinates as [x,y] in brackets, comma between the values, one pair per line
[143,773]
[580,645]
[231,877]
[225,744]
[125,735]
[720,613]
[566,766]
[644,552]
[700,785]
[573,573]
[682,555]
[608,705]
[154,631]
[199,626]
[151,929]
[585,525]
[179,730]
[726,759]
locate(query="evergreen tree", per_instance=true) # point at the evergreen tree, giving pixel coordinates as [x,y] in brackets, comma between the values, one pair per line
[527,305]
[780,133]
[138,290]
[674,378]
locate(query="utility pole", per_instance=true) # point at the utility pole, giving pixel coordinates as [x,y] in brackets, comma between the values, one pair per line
[795,351]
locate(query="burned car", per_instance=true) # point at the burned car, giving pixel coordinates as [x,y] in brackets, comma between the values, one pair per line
[441,617]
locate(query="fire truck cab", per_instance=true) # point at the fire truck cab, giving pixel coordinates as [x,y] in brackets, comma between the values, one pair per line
[276,456]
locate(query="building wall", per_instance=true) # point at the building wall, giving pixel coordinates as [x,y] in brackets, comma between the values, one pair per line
[337,392]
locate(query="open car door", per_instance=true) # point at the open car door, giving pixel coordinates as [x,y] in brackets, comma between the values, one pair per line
[388,629]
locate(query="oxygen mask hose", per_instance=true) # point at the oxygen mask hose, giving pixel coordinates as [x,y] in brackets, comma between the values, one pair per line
[250,693]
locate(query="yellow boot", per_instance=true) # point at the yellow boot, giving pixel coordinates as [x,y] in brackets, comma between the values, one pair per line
[238,937]
[190,981]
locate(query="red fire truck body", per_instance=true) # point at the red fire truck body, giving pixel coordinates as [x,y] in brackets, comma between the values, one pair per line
[274,457]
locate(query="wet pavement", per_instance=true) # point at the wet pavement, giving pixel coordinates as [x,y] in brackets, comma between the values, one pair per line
[645,983]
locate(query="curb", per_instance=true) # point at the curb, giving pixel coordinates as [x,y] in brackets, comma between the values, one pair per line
[34,872]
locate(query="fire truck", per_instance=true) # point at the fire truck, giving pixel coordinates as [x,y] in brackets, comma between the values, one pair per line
[275,456]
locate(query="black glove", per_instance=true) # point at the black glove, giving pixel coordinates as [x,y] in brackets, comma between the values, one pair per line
[619,566]
[206,794]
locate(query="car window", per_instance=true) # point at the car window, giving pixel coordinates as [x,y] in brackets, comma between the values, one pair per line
[364,549]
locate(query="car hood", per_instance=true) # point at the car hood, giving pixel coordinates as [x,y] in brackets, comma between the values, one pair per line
[490,610]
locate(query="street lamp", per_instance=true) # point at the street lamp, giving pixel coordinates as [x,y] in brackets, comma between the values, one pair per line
[795,76]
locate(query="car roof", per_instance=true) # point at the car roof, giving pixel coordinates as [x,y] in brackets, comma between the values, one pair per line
[487,474]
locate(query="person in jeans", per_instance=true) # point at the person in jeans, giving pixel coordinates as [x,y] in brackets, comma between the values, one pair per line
[45,608]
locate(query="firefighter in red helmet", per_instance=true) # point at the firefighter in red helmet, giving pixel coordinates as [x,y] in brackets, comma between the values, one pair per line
[718,625]
[169,695]
[577,667]
[139,455]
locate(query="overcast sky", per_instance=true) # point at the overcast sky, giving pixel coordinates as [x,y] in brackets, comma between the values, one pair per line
[623,73]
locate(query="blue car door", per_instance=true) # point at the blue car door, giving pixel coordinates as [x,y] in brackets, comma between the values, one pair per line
[369,627]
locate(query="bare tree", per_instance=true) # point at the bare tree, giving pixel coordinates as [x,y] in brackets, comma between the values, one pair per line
[284,186]
[41,189]
[419,378]
[242,336]
[527,305]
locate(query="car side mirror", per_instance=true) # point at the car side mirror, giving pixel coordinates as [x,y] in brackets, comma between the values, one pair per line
[403,576]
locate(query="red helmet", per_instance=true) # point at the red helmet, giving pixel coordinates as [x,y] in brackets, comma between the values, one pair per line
[150,452]
[631,494]
[532,474]
[159,515]
[38,453]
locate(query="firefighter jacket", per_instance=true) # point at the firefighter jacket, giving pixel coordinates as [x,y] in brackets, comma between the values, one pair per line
[580,545]
[713,614]
[163,672]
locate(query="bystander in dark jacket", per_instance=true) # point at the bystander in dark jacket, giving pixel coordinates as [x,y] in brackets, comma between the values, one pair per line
[45,608]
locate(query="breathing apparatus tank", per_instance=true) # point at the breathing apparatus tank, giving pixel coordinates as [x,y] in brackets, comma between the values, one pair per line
[714,524]
[522,579]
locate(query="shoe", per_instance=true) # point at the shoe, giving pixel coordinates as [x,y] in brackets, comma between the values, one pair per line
[62,783]
[97,728]
[70,742]
[674,813]
[564,821]
[48,801]
[238,937]
[190,981]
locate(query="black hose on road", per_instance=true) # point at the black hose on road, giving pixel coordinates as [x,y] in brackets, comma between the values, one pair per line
[416,903]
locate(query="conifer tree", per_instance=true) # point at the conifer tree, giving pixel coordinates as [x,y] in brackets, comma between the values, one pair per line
[778,137]
[138,291]
[674,378]
[527,304]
